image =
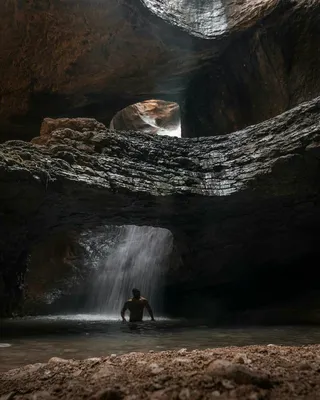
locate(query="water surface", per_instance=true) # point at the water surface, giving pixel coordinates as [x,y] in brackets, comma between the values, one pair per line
[37,339]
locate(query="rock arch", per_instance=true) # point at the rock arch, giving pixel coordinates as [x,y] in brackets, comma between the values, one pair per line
[234,203]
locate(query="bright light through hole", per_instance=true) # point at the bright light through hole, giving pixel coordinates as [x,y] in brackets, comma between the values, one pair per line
[150,116]
[171,132]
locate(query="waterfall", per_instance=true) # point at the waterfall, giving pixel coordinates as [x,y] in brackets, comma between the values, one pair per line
[122,258]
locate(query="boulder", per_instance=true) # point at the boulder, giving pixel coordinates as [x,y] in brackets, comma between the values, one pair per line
[154,116]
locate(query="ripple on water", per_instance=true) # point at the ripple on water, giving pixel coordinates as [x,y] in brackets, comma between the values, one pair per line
[87,317]
[82,336]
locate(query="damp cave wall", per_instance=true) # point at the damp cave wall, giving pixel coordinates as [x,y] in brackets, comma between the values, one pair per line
[264,71]
[263,63]
[237,205]
[241,65]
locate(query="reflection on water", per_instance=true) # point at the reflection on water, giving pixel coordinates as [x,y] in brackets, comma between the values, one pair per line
[81,336]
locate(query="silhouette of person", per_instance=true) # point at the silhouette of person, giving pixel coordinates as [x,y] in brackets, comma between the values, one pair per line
[136,306]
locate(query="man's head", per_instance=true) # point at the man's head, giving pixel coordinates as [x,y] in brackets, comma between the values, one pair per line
[136,293]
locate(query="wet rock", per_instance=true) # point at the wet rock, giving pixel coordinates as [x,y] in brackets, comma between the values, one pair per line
[155,369]
[108,394]
[150,116]
[94,359]
[131,383]
[216,21]
[58,360]
[239,374]
[163,378]
[305,366]
[160,395]
[219,365]
[232,178]
[42,395]
[227,384]
[207,378]
[185,394]
[103,371]
[182,54]
[141,362]
[8,396]
[157,386]
[182,360]
[241,358]
[19,373]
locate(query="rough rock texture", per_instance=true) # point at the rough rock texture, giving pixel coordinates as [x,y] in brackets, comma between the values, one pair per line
[253,373]
[54,269]
[263,72]
[151,116]
[227,63]
[243,208]
[211,19]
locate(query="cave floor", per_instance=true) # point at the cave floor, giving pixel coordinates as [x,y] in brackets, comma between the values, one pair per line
[256,372]
[32,340]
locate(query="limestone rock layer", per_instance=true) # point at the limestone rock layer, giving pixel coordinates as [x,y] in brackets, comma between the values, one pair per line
[236,204]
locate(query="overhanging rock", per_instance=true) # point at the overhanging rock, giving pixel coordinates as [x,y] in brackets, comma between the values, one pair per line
[234,203]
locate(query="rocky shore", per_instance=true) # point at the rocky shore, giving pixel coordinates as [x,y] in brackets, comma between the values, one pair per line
[255,372]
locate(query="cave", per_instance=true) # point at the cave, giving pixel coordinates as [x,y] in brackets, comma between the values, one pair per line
[93,271]
[240,65]
[168,145]
[236,204]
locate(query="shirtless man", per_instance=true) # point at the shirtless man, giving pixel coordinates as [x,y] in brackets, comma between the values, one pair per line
[136,305]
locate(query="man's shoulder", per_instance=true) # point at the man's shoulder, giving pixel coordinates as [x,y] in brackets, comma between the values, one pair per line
[144,299]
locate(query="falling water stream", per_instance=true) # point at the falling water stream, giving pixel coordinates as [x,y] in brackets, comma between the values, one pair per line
[136,257]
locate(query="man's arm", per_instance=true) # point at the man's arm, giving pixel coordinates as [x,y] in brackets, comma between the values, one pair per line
[124,309]
[149,309]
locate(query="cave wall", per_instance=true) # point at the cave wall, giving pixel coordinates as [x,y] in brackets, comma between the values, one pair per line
[235,203]
[240,65]
[263,72]
[53,269]
[88,58]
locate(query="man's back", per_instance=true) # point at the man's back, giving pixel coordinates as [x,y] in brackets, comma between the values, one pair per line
[136,307]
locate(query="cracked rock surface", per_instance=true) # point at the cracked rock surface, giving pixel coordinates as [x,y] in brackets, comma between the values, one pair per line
[235,204]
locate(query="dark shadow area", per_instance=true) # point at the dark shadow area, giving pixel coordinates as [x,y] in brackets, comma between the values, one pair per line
[270,295]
